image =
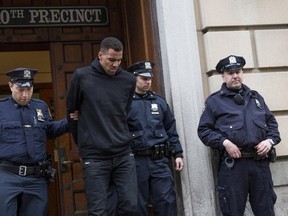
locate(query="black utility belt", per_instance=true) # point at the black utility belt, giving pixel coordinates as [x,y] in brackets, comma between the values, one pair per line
[252,154]
[271,155]
[41,169]
[156,152]
[249,155]
[19,170]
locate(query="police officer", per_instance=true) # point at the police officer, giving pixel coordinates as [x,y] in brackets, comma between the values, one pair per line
[237,122]
[153,128]
[25,123]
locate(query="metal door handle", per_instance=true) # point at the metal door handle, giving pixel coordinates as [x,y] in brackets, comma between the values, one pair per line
[62,159]
[67,162]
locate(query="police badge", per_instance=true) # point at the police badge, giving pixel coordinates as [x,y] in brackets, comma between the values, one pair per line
[40,116]
[154,109]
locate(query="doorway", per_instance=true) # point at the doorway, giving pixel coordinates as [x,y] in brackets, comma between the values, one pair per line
[56,53]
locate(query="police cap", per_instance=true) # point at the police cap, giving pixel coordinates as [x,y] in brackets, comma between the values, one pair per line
[23,77]
[142,68]
[231,62]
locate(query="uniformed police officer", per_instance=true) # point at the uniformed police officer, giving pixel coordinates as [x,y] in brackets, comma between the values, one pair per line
[237,122]
[25,123]
[153,128]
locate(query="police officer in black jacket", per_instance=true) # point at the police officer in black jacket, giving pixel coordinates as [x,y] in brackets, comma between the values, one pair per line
[155,138]
[25,124]
[237,122]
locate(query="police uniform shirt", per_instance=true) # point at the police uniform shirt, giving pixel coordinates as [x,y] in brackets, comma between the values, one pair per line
[24,130]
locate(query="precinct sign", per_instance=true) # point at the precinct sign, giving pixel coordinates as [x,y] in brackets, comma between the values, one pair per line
[53,16]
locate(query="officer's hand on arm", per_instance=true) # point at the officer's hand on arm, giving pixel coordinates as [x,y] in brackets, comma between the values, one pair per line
[232,149]
[263,147]
[179,164]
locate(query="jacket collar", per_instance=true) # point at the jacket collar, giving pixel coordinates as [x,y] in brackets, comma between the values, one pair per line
[148,96]
[224,91]
[98,68]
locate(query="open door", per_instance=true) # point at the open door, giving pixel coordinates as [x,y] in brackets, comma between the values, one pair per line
[132,22]
[77,47]
[46,94]
[65,58]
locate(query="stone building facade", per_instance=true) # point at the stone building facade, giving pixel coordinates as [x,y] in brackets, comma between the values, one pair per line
[194,36]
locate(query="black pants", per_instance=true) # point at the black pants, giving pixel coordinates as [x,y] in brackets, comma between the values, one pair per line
[97,176]
[247,177]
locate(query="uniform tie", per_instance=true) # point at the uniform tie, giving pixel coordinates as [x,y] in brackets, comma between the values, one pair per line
[27,121]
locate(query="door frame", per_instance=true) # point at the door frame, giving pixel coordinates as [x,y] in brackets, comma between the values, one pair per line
[139,26]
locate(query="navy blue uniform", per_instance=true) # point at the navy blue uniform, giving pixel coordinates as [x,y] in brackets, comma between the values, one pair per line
[23,134]
[152,123]
[245,125]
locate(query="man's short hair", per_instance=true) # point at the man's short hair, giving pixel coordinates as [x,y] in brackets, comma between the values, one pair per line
[111,43]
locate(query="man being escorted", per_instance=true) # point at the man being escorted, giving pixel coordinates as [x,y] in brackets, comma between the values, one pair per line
[25,124]
[102,93]
[237,122]
[153,128]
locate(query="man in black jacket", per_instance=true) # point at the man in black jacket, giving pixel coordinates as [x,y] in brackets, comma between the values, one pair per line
[102,93]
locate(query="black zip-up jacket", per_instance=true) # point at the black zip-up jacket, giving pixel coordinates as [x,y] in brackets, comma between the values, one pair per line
[102,102]
[245,125]
[151,122]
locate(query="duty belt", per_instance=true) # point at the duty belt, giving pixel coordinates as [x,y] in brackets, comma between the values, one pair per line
[248,154]
[146,152]
[41,169]
[252,154]
[158,151]
[21,170]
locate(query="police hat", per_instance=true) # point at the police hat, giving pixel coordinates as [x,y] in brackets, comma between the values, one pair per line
[231,62]
[23,77]
[142,68]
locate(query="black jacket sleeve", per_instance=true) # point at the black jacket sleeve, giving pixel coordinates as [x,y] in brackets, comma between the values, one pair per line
[73,104]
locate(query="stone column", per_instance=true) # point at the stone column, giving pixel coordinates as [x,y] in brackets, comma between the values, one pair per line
[184,93]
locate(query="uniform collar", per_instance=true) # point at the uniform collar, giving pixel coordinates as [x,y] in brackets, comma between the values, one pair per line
[16,105]
[224,91]
[148,96]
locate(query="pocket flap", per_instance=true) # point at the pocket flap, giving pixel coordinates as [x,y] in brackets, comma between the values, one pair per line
[231,127]
[136,134]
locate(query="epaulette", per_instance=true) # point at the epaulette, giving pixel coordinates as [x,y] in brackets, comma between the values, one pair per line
[3,99]
[35,100]
[214,93]
[156,94]
[254,92]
